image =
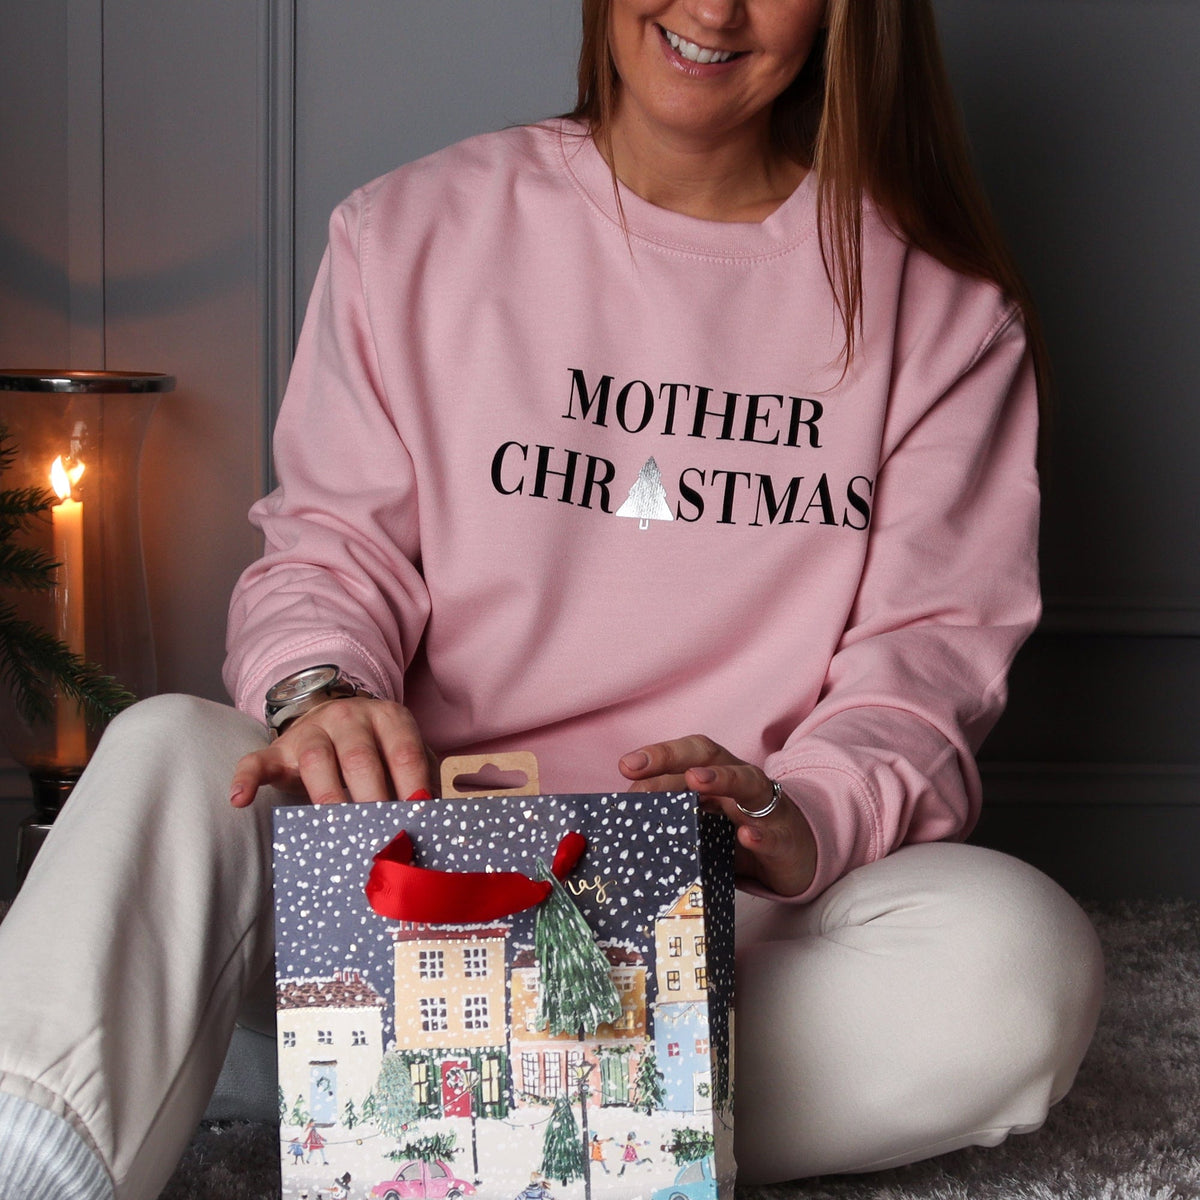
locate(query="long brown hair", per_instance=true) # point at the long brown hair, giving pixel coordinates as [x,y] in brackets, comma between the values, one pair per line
[873,115]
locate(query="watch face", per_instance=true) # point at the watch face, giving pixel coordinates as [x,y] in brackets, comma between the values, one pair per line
[301,684]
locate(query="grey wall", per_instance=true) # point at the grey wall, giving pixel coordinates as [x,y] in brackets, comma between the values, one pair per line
[1085,119]
[381,82]
[177,163]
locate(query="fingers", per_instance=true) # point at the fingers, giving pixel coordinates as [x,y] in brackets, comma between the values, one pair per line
[778,849]
[673,758]
[357,749]
[253,771]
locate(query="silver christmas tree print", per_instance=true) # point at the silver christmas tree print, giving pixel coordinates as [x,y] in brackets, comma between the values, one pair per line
[647,499]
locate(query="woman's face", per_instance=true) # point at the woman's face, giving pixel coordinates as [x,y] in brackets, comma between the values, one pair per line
[705,69]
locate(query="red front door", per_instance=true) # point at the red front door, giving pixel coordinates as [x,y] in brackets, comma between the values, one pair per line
[456,1088]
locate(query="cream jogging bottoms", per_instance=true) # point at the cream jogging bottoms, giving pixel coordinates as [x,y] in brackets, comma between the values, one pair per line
[942,997]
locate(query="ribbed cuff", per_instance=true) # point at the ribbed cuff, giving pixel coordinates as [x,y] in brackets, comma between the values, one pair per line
[43,1158]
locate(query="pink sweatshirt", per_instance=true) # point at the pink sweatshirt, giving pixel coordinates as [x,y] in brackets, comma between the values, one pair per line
[572,488]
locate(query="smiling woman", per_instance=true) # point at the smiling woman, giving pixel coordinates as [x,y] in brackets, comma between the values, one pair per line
[808,625]
[698,82]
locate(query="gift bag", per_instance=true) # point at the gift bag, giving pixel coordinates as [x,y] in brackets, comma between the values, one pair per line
[507,996]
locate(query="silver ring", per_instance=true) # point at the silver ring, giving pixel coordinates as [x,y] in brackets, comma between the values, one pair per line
[768,808]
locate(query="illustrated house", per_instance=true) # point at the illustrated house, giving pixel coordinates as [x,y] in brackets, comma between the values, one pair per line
[330,1043]
[682,1039]
[544,1066]
[451,1016]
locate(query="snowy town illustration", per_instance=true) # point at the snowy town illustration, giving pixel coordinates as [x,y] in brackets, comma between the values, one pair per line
[490,1059]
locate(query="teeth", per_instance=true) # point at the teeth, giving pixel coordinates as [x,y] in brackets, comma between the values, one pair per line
[694,53]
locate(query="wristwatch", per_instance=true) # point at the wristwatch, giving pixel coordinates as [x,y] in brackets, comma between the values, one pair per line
[302,691]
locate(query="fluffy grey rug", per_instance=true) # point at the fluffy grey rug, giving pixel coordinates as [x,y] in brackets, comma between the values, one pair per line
[1130,1129]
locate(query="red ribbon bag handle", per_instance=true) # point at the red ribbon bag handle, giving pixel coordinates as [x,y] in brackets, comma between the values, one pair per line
[403,892]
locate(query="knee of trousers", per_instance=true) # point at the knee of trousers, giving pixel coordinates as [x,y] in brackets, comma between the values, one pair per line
[186,742]
[1006,968]
[158,784]
[941,997]
[187,726]
[1027,968]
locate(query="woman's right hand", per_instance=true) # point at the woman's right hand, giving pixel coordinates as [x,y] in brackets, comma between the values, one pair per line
[354,749]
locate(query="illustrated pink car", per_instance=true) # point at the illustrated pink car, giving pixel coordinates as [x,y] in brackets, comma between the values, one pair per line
[427,1180]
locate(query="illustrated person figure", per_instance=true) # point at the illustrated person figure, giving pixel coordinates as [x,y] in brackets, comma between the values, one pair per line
[748,292]
[296,1150]
[538,1188]
[314,1143]
[631,1155]
[596,1151]
[341,1188]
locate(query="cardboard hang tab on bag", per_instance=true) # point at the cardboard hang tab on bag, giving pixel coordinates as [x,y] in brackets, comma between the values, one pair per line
[505,995]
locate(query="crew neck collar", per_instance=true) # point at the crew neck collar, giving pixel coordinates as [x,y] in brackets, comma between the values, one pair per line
[790,225]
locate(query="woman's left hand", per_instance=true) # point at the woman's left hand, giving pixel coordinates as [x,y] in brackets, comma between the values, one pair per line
[778,849]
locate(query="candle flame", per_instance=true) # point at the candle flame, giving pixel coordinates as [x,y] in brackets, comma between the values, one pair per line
[63,478]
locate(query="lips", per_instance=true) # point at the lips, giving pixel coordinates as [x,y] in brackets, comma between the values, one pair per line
[695,53]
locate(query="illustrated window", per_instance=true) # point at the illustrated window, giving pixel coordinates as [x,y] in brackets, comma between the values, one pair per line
[419,1073]
[675,946]
[475,962]
[701,944]
[672,981]
[672,1049]
[574,1065]
[490,1081]
[553,1067]
[324,1037]
[696,898]
[431,964]
[702,1045]
[289,1037]
[702,977]
[434,1014]
[475,1012]
[529,1074]
[358,1037]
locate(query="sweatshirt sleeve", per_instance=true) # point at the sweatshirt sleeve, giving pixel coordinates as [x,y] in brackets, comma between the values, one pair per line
[948,593]
[338,580]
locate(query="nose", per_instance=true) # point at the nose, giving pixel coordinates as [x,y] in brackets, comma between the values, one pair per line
[717,14]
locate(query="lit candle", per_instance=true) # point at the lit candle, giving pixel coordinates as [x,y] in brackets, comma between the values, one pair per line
[67,517]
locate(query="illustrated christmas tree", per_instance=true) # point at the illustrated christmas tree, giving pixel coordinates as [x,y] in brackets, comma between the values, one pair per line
[687,1145]
[395,1107]
[577,993]
[562,1150]
[350,1115]
[647,499]
[649,1091]
[437,1147]
[299,1114]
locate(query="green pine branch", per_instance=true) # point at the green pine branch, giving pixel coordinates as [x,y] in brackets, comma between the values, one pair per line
[28,654]
[19,506]
[26,568]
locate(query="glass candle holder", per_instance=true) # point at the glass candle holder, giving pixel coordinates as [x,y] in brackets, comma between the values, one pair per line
[78,434]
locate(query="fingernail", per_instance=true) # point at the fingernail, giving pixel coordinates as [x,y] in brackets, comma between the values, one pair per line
[236,794]
[636,761]
[421,794]
[704,774]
